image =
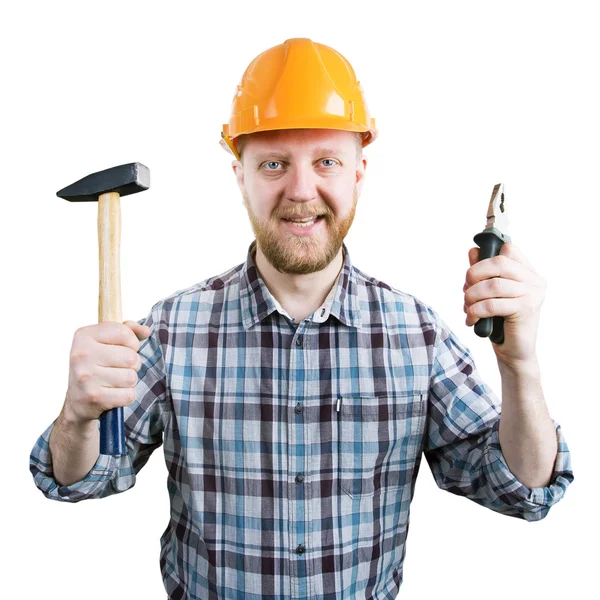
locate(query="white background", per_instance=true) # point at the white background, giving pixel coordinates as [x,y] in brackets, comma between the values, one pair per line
[466,95]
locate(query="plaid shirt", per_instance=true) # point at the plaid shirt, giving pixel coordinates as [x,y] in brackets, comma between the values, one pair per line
[293,449]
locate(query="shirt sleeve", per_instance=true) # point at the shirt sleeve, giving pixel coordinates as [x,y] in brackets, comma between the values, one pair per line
[145,420]
[463,446]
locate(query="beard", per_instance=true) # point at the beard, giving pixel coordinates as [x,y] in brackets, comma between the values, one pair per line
[299,255]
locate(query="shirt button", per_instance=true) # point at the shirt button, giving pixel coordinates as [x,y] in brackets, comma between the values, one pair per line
[298,408]
[322,312]
[299,478]
[300,549]
[299,341]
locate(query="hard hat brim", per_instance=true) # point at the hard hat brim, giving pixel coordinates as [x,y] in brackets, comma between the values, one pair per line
[228,144]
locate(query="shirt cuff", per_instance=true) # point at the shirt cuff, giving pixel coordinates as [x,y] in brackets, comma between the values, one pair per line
[91,485]
[505,482]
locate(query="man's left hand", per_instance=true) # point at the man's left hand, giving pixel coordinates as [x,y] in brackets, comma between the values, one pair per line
[506,285]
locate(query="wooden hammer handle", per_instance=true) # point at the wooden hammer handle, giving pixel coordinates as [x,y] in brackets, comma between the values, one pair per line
[112,431]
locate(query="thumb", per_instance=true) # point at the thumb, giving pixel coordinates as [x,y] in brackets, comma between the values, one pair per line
[141,331]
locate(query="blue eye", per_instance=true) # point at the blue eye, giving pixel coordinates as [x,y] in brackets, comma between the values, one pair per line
[271,165]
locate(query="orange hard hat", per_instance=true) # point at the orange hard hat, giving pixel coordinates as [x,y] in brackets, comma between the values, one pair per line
[295,85]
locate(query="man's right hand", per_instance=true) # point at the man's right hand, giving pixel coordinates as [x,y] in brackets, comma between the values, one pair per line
[103,366]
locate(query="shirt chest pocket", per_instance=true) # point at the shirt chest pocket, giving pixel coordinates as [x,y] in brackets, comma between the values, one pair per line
[379,441]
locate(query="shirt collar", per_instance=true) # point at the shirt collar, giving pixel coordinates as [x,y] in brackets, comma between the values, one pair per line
[257,302]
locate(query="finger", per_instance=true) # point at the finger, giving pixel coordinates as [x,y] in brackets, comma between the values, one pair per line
[116,378]
[473,256]
[109,355]
[492,307]
[111,332]
[496,287]
[502,266]
[141,331]
[113,397]
[513,251]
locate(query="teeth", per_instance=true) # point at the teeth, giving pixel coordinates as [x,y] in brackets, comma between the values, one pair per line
[303,223]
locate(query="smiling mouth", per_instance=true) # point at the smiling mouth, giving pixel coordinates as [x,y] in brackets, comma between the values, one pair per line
[304,222]
[303,219]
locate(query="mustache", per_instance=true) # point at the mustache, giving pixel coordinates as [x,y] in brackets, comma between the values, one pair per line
[301,210]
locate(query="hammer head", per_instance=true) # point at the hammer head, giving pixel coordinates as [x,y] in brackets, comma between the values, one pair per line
[124,179]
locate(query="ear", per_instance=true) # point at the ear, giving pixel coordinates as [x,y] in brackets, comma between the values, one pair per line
[238,169]
[360,173]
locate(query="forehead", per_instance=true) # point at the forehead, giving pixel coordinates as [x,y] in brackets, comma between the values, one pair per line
[293,141]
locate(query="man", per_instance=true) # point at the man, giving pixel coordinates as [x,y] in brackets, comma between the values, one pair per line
[294,394]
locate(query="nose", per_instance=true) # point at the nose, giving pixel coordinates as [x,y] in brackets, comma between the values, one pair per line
[301,183]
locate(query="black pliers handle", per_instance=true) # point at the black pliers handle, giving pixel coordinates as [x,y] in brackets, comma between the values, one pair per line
[490,241]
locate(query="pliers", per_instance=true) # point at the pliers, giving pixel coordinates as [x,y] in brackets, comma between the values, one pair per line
[490,240]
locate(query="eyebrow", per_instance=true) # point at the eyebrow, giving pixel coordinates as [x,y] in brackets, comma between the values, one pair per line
[285,155]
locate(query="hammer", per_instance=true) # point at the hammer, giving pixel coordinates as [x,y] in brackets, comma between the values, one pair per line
[106,187]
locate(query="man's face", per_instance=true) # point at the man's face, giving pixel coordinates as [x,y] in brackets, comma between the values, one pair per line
[300,174]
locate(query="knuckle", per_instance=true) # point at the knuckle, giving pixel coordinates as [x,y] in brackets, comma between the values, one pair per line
[94,397]
[133,359]
[132,377]
[495,284]
[116,332]
[83,378]
[81,331]
[79,355]
[498,260]
[128,338]
[124,335]
[504,262]
[491,305]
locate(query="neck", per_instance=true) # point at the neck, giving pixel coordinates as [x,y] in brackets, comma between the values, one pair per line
[299,295]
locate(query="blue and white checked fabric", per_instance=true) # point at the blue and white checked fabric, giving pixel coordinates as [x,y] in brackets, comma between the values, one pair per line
[293,449]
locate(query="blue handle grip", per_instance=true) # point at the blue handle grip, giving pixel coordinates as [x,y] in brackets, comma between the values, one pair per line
[112,432]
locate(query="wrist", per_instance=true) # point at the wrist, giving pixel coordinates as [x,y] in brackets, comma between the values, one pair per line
[82,427]
[520,368]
